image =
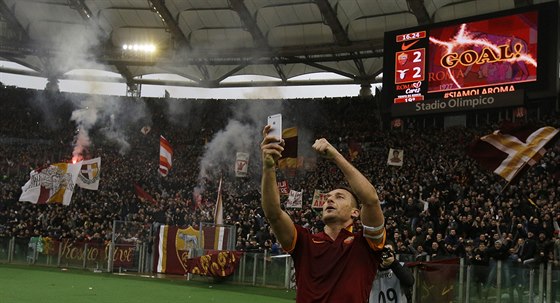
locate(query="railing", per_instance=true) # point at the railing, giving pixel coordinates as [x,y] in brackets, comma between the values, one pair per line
[437,281]
[71,254]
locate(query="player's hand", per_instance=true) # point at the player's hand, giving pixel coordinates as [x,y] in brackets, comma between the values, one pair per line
[271,150]
[325,149]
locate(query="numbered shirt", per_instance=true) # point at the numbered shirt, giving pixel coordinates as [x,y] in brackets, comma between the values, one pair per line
[387,288]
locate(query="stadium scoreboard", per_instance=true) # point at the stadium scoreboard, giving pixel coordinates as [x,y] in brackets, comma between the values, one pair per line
[482,62]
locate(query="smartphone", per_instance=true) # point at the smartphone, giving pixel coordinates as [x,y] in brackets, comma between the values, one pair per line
[275,121]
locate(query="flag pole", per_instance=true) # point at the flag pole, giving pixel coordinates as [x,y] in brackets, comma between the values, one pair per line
[504,188]
[509,182]
[218,210]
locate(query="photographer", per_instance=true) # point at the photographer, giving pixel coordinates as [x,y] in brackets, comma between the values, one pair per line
[393,282]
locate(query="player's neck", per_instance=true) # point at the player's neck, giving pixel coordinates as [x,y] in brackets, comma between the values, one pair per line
[334,228]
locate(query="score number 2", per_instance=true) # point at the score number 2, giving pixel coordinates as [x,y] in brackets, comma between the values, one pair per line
[417,59]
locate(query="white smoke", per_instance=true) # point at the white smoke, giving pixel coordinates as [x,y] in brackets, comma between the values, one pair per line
[112,115]
[243,133]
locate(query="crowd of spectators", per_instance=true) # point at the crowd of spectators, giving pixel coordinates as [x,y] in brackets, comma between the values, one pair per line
[439,204]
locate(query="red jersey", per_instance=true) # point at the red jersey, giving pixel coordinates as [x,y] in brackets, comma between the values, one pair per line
[327,271]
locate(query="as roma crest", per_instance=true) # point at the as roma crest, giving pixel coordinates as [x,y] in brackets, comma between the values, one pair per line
[89,173]
[186,240]
[402,58]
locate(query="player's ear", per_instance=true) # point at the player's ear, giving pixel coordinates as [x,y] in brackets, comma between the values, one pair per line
[355,214]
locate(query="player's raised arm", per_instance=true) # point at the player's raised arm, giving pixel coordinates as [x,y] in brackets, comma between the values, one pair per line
[371,214]
[281,224]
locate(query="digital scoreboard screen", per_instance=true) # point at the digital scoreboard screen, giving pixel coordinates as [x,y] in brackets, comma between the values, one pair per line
[471,64]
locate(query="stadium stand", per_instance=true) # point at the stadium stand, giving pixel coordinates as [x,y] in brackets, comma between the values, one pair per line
[439,205]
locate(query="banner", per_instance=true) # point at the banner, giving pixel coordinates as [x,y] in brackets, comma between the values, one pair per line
[143,195]
[283,187]
[241,164]
[437,280]
[290,153]
[165,156]
[507,151]
[295,199]
[395,157]
[173,248]
[145,130]
[216,264]
[90,174]
[319,198]
[53,184]
[73,252]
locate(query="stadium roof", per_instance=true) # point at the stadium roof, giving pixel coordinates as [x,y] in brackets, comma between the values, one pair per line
[207,41]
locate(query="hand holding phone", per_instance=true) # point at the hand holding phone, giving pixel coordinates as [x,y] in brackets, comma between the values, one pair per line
[275,121]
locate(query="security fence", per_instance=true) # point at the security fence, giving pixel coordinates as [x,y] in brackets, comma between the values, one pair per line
[450,280]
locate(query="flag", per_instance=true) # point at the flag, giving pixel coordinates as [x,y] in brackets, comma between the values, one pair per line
[174,246]
[143,195]
[165,156]
[241,164]
[52,184]
[145,130]
[532,202]
[290,153]
[218,210]
[507,151]
[295,199]
[354,149]
[395,157]
[90,174]
[319,198]
[283,187]
[166,94]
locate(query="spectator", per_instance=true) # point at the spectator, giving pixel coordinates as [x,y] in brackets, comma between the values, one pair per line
[498,253]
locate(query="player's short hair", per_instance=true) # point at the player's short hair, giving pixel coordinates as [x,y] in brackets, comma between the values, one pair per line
[349,189]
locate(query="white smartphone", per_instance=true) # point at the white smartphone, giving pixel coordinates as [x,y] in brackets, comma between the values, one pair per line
[275,121]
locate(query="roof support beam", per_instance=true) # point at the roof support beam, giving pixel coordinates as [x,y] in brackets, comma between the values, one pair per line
[8,13]
[330,17]
[81,7]
[249,22]
[125,72]
[133,89]
[363,49]
[280,72]
[360,66]
[178,35]
[419,10]
[236,61]
[325,68]
[191,83]
[250,83]
[231,72]
[171,23]
[253,28]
